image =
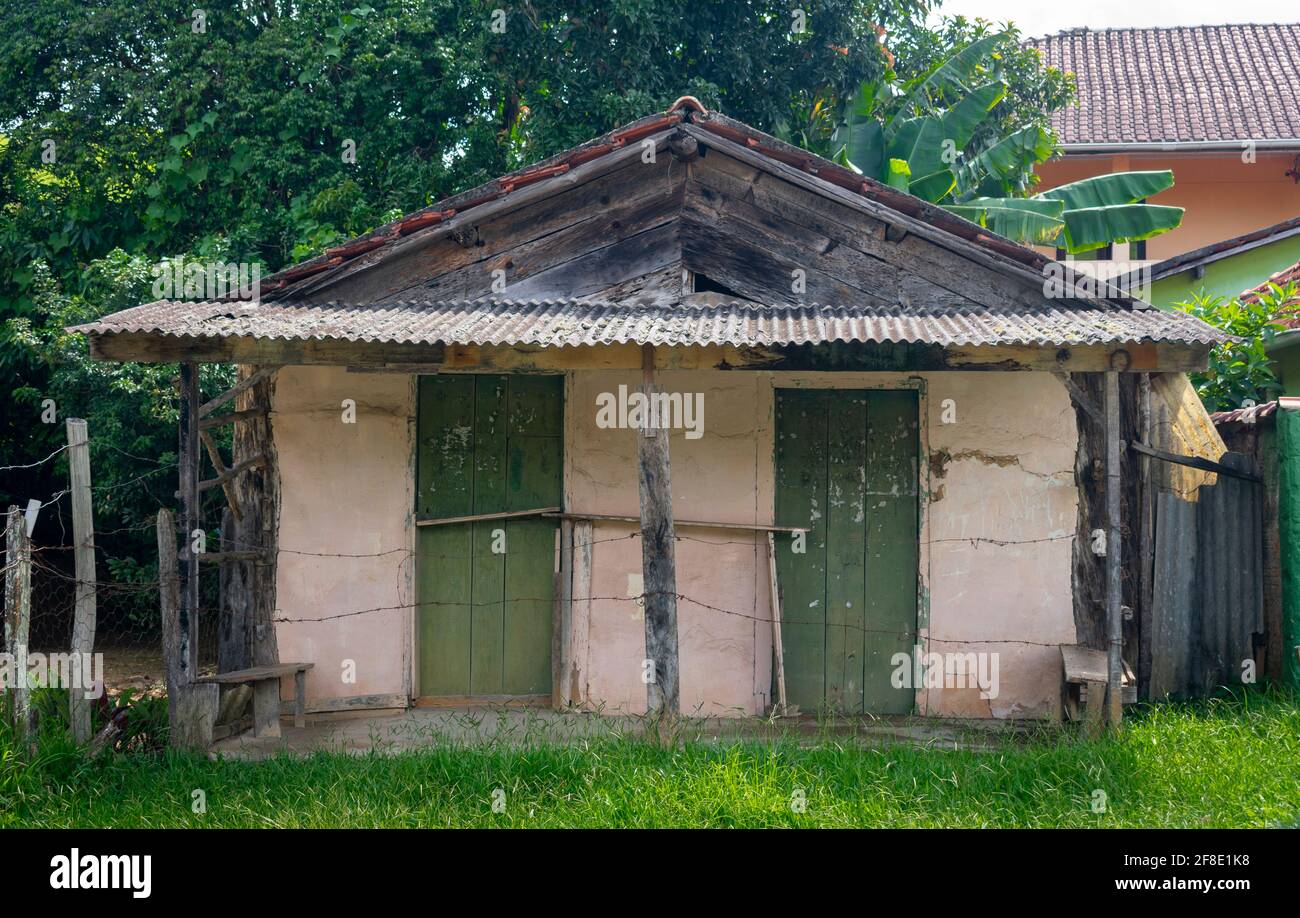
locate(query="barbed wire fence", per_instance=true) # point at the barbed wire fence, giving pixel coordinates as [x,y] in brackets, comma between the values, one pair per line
[128,623]
[128,630]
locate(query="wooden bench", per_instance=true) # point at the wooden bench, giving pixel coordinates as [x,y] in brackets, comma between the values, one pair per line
[1086,674]
[266,693]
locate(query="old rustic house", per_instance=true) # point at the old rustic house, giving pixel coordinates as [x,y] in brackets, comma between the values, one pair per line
[444,497]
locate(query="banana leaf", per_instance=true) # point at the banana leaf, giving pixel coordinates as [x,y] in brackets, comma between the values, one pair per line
[1115,188]
[1088,228]
[864,145]
[952,73]
[1024,220]
[920,142]
[1011,156]
[961,120]
[933,187]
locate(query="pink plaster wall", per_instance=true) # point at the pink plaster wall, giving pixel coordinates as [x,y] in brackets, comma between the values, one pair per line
[345,489]
[1007,477]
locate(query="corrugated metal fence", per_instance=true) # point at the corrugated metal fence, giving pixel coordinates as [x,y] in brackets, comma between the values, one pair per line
[1208,604]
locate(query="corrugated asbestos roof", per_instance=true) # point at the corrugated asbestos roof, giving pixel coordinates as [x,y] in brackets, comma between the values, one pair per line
[1184,84]
[570,323]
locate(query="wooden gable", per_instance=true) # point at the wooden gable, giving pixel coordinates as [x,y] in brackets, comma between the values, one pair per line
[626,233]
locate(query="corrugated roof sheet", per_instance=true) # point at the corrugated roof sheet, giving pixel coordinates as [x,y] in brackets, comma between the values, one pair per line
[694,321]
[1179,85]
[1255,412]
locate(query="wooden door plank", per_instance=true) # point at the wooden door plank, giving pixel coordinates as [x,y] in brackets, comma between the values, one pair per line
[490,539]
[846,572]
[445,449]
[534,478]
[445,474]
[529,592]
[892,548]
[801,469]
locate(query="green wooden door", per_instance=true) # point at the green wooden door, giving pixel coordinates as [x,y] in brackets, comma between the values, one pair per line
[846,467]
[487,444]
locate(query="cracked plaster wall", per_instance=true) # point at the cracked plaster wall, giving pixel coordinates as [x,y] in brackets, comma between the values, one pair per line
[995,553]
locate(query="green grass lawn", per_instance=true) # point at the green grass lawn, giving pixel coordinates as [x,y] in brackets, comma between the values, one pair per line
[1233,761]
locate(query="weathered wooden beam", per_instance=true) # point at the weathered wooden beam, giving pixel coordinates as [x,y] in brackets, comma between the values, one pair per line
[232,473]
[83,541]
[232,417]
[1080,398]
[225,478]
[142,347]
[484,517]
[1194,462]
[778,645]
[1114,556]
[363,357]
[188,460]
[679,524]
[658,550]
[191,708]
[242,386]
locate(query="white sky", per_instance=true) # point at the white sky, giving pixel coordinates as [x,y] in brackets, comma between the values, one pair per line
[1042,17]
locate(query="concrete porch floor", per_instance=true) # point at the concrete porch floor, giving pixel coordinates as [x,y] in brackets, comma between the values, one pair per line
[397,731]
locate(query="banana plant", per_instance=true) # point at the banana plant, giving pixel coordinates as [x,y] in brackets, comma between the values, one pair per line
[907,137]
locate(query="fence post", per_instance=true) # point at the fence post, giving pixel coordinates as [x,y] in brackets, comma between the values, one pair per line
[18,607]
[83,541]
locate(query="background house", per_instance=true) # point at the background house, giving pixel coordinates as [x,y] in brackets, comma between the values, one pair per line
[1218,105]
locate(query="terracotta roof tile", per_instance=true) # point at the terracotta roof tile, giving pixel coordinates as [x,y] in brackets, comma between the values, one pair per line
[1184,84]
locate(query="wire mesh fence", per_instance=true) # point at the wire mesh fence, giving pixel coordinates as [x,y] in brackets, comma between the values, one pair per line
[128,630]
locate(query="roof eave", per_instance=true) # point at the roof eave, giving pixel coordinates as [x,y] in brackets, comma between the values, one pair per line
[1183,146]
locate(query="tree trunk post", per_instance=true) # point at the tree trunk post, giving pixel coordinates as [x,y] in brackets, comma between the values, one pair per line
[658,543]
[83,541]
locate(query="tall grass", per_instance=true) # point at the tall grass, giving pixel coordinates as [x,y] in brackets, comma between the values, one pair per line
[1230,761]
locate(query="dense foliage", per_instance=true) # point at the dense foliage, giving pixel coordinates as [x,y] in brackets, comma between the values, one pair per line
[1240,372]
[137,130]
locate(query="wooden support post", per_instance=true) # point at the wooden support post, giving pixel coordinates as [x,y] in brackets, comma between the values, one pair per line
[777,644]
[83,549]
[562,632]
[1146,541]
[188,459]
[1114,556]
[300,699]
[191,708]
[18,609]
[658,546]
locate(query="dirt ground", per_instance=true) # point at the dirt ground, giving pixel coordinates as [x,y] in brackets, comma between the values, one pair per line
[139,669]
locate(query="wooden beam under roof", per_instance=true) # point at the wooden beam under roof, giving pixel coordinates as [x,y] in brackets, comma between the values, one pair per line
[141,347]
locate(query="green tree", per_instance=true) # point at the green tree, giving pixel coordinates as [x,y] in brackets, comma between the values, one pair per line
[1240,371]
